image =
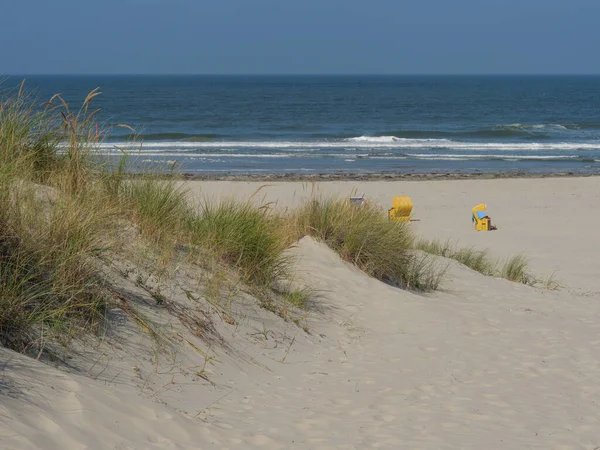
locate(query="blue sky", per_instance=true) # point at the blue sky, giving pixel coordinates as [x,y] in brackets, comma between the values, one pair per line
[298,37]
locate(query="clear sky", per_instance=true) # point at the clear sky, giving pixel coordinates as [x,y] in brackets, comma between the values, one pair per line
[299,36]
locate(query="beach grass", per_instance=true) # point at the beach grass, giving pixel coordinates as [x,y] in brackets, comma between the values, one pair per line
[300,297]
[158,206]
[513,269]
[52,224]
[51,283]
[244,236]
[29,135]
[362,235]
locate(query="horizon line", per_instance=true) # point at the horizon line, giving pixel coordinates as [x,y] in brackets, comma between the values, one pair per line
[303,74]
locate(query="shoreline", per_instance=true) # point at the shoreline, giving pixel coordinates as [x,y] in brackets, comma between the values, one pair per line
[320,177]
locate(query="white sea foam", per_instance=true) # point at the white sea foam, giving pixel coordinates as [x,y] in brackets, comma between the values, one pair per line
[487,156]
[538,126]
[374,139]
[213,157]
[363,143]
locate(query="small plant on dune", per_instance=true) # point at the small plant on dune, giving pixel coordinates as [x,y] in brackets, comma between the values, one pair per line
[550,282]
[425,273]
[220,285]
[515,269]
[478,260]
[435,247]
[365,237]
[299,297]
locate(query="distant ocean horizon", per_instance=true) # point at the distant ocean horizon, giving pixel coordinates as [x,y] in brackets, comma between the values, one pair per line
[277,124]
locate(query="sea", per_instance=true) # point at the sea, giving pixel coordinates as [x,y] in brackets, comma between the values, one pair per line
[342,124]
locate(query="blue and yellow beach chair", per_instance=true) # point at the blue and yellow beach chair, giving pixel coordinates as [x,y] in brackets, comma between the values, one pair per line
[482,221]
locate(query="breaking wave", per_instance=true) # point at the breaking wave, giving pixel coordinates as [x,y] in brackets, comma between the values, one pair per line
[364,143]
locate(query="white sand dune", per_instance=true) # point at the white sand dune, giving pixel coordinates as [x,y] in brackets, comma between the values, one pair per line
[484,363]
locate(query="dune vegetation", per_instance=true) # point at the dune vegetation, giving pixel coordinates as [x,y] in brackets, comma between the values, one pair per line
[65,215]
[365,237]
[513,269]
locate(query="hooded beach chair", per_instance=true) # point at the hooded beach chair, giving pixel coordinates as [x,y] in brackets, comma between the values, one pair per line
[482,221]
[401,208]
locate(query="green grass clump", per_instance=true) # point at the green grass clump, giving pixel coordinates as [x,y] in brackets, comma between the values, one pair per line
[478,260]
[160,207]
[53,222]
[514,269]
[243,236]
[365,237]
[299,297]
[435,247]
[426,273]
[49,283]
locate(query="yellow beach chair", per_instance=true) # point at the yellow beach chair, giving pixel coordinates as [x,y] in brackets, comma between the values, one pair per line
[482,221]
[401,209]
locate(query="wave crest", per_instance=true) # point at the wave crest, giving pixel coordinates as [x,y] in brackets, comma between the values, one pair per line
[375,139]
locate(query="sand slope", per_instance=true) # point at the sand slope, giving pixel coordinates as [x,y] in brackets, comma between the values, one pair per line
[485,363]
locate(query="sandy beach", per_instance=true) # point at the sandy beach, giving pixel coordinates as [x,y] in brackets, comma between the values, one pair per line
[543,218]
[482,363]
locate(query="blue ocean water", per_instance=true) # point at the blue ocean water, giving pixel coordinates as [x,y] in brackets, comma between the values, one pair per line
[353,124]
